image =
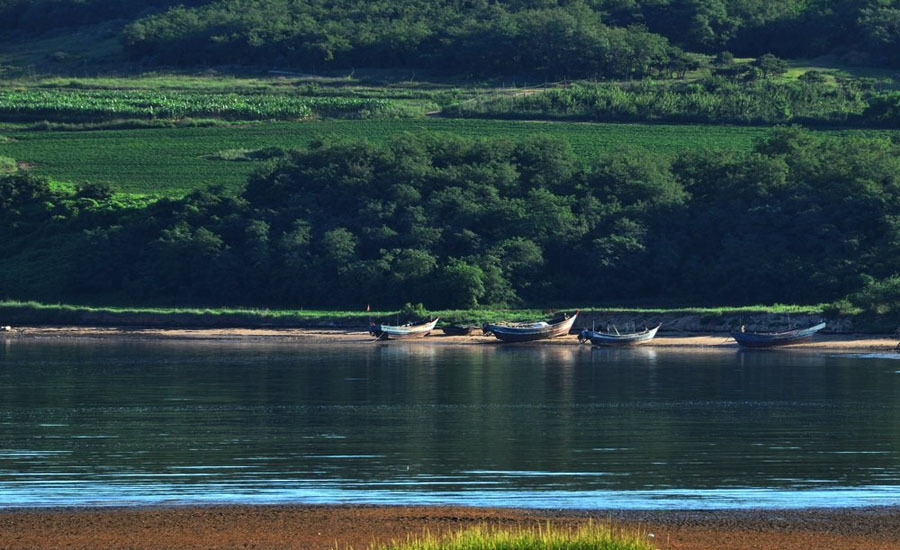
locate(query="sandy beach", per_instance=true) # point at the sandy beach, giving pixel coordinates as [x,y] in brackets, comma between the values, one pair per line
[333,527]
[671,340]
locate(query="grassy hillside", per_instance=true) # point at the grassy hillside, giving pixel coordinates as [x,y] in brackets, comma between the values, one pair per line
[173,161]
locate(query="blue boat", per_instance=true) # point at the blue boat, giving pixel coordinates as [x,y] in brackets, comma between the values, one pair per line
[772,339]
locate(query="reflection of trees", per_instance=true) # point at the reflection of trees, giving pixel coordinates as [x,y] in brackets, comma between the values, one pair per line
[640,417]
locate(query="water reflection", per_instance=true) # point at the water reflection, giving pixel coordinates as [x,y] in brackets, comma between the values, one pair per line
[522,425]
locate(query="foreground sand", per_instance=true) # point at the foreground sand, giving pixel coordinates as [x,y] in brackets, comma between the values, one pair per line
[332,527]
[821,342]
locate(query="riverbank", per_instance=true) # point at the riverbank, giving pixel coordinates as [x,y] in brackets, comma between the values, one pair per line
[340,527]
[673,340]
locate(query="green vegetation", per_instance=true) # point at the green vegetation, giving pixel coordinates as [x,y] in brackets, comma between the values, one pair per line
[12,311]
[591,536]
[578,39]
[714,100]
[457,223]
[173,161]
[547,39]
[99,105]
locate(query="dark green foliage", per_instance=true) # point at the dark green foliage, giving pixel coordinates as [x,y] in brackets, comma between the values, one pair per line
[457,223]
[544,39]
[879,297]
[42,15]
[515,37]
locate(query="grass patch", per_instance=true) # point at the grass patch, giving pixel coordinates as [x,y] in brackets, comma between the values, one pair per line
[8,165]
[592,536]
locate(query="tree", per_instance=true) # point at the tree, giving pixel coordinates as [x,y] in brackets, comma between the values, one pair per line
[462,284]
[770,65]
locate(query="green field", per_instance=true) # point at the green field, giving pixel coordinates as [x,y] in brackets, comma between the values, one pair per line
[173,161]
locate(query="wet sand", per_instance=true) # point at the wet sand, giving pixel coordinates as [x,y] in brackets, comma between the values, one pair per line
[332,527]
[821,342]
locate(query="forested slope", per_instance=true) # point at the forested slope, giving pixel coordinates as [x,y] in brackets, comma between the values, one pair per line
[542,38]
[454,223]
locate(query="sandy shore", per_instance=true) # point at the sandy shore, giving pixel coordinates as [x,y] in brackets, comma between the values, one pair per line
[822,342]
[331,527]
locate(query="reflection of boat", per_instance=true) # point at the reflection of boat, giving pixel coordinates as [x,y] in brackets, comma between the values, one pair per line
[769,339]
[402,331]
[456,330]
[599,338]
[526,332]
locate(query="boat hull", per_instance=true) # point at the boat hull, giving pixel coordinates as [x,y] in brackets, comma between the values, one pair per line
[529,334]
[775,339]
[631,339]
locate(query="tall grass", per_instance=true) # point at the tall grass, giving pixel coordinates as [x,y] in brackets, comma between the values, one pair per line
[591,536]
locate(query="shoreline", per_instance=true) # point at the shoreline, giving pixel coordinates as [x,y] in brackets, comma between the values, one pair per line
[345,526]
[849,343]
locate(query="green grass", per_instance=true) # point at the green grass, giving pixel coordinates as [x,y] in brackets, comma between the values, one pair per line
[174,161]
[39,313]
[592,536]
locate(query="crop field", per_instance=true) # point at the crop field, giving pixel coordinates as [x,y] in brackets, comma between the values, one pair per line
[174,161]
[98,105]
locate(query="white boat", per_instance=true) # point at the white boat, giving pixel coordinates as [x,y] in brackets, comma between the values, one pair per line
[395,332]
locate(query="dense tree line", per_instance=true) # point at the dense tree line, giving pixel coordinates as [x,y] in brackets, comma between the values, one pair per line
[452,222]
[478,38]
[543,38]
[549,38]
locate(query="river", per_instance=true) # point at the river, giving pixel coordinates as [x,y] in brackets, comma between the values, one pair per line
[119,423]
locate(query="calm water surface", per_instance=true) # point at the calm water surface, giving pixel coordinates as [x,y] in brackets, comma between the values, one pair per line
[120,423]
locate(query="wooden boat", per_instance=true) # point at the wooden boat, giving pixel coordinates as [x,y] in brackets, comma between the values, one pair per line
[770,339]
[395,332]
[599,338]
[526,332]
[456,330]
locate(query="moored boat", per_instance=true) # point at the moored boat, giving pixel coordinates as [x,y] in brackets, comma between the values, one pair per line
[771,339]
[395,332]
[600,338]
[526,332]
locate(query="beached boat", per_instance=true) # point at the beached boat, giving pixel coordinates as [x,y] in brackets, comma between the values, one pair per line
[526,332]
[770,339]
[608,338]
[395,332]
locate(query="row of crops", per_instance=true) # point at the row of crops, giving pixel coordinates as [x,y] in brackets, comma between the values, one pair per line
[96,105]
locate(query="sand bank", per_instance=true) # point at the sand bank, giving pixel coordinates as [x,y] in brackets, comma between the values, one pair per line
[331,527]
[821,342]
